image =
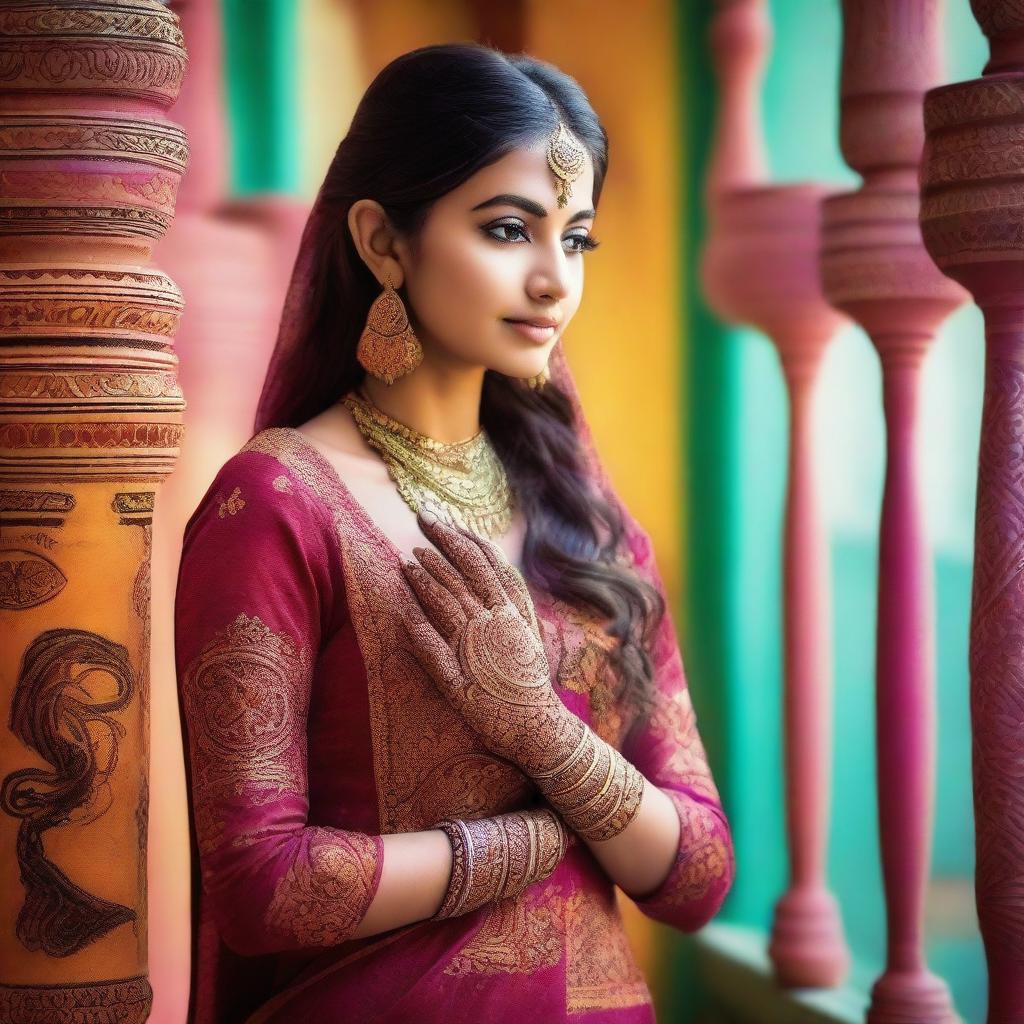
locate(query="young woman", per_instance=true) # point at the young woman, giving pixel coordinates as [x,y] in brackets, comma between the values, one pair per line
[434,703]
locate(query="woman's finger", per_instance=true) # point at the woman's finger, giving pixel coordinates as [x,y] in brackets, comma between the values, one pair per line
[449,578]
[446,612]
[434,654]
[464,555]
[511,579]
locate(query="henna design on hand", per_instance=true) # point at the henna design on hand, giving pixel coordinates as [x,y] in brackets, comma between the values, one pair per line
[475,631]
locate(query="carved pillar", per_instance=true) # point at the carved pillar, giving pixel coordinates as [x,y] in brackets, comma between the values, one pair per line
[90,424]
[972,203]
[875,269]
[760,267]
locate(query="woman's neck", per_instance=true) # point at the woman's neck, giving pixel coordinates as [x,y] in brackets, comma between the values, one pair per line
[444,407]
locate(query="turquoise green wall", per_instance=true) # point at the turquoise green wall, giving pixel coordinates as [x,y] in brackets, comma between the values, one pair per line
[737,451]
[261,55]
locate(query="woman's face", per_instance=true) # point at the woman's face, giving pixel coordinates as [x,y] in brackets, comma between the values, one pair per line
[495,249]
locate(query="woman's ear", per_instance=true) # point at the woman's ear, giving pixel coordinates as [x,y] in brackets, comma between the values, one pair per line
[376,241]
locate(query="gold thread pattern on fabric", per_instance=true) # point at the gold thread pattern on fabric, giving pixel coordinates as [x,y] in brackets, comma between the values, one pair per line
[704,858]
[582,665]
[674,723]
[601,972]
[520,935]
[282,484]
[246,695]
[233,504]
[428,764]
[324,895]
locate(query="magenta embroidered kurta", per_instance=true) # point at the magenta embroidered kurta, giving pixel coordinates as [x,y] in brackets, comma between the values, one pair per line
[312,731]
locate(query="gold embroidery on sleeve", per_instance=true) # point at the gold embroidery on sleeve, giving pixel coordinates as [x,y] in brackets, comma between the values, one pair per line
[246,696]
[703,854]
[674,724]
[325,894]
[283,484]
[233,504]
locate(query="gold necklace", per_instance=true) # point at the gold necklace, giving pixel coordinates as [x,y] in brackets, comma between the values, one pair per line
[465,477]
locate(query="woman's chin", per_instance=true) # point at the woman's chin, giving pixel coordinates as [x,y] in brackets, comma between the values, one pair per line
[525,372]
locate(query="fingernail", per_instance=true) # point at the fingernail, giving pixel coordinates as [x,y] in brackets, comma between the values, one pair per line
[418,552]
[427,514]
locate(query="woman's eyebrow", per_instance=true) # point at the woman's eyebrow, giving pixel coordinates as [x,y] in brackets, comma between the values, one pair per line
[529,206]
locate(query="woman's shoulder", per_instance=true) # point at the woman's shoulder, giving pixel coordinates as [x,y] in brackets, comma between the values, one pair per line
[274,479]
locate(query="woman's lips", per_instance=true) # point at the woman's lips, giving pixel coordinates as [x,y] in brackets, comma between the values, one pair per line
[534,333]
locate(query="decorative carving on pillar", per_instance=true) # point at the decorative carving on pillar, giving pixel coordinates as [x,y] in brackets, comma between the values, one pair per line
[90,424]
[972,204]
[760,267]
[875,269]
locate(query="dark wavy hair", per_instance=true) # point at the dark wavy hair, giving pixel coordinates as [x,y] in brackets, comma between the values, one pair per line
[430,120]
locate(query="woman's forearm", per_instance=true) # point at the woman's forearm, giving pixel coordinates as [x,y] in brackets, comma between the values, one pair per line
[641,856]
[461,865]
[413,881]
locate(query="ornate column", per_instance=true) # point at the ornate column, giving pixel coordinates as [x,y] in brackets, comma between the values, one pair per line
[972,202]
[876,270]
[90,424]
[760,267]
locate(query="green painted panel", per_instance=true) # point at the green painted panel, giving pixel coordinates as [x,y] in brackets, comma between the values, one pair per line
[260,50]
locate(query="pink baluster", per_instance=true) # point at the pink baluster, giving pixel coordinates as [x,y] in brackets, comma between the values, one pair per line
[875,268]
[760,267]
[739,39]
[972,199]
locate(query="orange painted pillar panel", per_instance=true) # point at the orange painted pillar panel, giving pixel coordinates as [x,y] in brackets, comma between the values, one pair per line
[90,424]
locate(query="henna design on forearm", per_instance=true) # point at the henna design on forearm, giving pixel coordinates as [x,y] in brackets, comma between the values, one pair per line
[498,857]
[595,789]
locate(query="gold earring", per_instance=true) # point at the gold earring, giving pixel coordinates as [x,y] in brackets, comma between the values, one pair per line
[388,347]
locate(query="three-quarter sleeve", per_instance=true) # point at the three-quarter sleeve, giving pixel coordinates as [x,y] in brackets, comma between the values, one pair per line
[253,600]
[667,748]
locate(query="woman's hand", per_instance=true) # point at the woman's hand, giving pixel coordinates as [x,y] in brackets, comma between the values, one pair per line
[478,638]
[480,642]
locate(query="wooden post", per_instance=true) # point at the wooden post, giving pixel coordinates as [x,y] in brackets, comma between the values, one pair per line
[972,202]
[760,267]
[876,270]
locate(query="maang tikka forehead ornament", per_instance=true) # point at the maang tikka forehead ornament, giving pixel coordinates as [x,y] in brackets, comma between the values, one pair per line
[566,157]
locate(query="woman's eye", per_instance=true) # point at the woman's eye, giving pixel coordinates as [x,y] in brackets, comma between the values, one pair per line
[585,243]
[506,227]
